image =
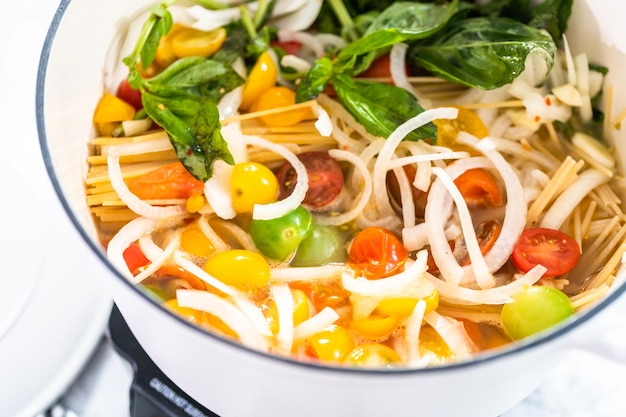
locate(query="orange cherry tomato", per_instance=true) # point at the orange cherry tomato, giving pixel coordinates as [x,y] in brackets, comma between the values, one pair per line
[377,253]
[553,249]
[168,181]
[479,188]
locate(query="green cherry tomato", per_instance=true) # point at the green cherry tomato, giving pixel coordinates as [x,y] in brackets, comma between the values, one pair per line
[278,238]
[324,245]
[535,309]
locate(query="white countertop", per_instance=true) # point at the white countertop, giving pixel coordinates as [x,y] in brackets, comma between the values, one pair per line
[590,380]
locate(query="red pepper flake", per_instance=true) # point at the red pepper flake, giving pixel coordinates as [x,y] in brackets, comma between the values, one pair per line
[189,152]
[537,118]
[548,101]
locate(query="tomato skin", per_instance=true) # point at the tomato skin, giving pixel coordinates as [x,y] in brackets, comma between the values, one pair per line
[325,179]
[420,197]
[168,181]
[135,258]
[553,249]
[377,253]
[479,188]
[129,94]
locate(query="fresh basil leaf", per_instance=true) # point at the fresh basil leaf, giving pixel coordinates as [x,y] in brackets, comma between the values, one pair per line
[192,124]
[553,16]
[483,52]
[400,22]
[315,80]
[205,77]
[157,25]
[381,107]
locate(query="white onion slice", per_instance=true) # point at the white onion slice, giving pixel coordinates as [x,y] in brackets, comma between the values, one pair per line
[284,305]
[478,264]
[453,333]
[217,190]
[397,68]
[131,200]
[135,127]
[128,234]
[306,39]
[151,250]
[315,324]
[226,312]
[306,273]
[492,296]
[438,210]
[214,238]
[254,314]
[412,333]
[295,62]
[323,124]
[389,286]
[158,263]
[280,208]
[385,155]
[565,203]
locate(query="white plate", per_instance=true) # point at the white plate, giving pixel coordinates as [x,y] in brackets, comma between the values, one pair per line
[52,316]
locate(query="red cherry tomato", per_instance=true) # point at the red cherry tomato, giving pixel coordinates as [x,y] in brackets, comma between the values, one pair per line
[129,94]
[377,253]
[325,179]
[553,249]
[487,234]
[135,258]
[290,47]
[479,188]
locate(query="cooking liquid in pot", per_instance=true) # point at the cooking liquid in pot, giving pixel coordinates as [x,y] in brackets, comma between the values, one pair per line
[327,242]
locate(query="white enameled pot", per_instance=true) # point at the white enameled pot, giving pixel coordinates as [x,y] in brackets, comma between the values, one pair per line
[232,380]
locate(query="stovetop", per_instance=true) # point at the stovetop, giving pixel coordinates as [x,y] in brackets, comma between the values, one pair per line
[152,393]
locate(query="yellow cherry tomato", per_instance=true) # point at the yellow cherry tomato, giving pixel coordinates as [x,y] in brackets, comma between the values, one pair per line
[165,55]
[375,327]
[277,97]
[466,121]
[404,306]
[188,42]
[332,344]
[240,268]
[373,355]
[262,76]
[189,314]
[252,183]
[194,241]
[301,307]
[111,108]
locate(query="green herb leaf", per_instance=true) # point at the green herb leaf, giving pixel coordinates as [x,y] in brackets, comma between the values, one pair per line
[380,107]
[315,80]
[400,22]
[483,52]
[192,124]
[156,26]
